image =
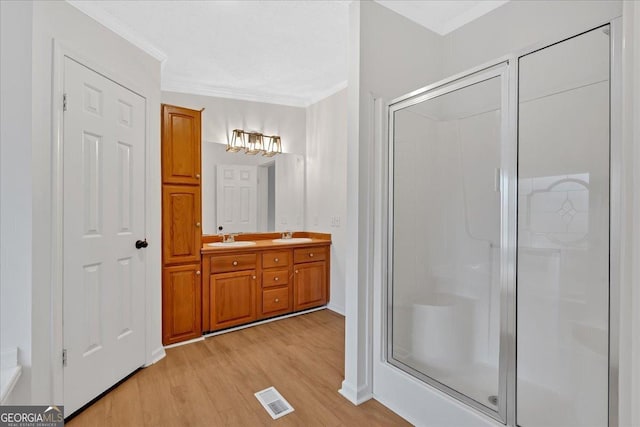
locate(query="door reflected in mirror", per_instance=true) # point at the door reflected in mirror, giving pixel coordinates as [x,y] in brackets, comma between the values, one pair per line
[250,193]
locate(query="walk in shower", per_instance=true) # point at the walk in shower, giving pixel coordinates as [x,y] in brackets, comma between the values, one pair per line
[498,289]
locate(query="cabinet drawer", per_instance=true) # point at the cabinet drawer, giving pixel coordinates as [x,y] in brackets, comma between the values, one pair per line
[275,300]
[275,259]
[275,278]
[309,254]
[225,263]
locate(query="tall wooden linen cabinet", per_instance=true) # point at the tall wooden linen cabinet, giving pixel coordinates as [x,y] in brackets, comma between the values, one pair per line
[181,224]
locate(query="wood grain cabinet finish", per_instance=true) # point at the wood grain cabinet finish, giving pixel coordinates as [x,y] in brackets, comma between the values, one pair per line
[249,285]
[181,303]
[277,289]
[181,139]
[181,229]
[309,285]
[233,299]
[181,234]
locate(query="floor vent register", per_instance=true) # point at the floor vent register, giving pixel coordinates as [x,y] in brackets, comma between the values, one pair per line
[273,402]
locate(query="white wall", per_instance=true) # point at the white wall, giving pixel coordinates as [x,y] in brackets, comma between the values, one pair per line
[61,22]
[15,187]
[326,201]
[394,56]
[630,295]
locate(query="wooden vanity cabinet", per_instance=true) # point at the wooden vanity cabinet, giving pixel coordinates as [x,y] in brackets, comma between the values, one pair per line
[277,292]
[242,286]
[231,290]
[310,284]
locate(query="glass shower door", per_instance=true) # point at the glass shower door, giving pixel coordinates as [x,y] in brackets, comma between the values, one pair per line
[445,270]
[563,234]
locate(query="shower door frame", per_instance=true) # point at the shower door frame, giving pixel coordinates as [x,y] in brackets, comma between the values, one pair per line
[506,413]
[508,161]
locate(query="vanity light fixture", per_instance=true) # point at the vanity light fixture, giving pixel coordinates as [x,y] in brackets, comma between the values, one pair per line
[254,143]
[274,147]
[237,142]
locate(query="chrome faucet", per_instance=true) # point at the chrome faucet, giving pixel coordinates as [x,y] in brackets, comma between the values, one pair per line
[287,235]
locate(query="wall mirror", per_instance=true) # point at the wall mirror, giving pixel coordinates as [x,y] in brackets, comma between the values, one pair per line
[251,193]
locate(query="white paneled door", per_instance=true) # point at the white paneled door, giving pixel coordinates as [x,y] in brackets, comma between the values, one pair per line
[236,198]
[104,274]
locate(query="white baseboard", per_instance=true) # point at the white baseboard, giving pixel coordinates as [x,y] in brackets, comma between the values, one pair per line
[157,355]
[178,344]
[262,322]
[356,396]
[336,309]
[10,372]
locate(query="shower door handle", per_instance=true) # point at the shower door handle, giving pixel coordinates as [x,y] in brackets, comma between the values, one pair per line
[497,172]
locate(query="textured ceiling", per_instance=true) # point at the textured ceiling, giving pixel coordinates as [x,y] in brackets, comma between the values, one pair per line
[288,52]
[291,52]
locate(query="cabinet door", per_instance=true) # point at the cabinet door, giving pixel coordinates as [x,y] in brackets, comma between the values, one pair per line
[309,285]
[180,145]
[233,299]
[181,231]
[181,303]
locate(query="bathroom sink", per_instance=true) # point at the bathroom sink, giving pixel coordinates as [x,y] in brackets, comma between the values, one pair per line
[231,244]
[293,240]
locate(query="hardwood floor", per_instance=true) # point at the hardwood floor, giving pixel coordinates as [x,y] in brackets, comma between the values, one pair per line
[212,383]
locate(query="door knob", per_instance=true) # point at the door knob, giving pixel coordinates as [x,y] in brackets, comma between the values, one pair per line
[141,244]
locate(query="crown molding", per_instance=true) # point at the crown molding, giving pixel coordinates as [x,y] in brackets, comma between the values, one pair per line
[327,93]
[477,11]
[119,28]
[197,88]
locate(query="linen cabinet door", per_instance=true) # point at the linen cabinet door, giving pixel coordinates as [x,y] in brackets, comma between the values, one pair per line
[181,142]
[181,224]
[181,303]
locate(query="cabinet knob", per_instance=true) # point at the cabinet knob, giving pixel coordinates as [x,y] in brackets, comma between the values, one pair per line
[277,300]
[311,255]
[254,277]
[198,273]
[276,278]
[276,260]
[296,271]
[235,263]
[198,176]
[197,224]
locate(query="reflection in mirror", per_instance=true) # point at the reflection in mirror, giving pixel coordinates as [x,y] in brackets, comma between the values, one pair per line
[250,193]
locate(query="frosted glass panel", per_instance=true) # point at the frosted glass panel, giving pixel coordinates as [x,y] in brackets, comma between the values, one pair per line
[445,283]
[563,234]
